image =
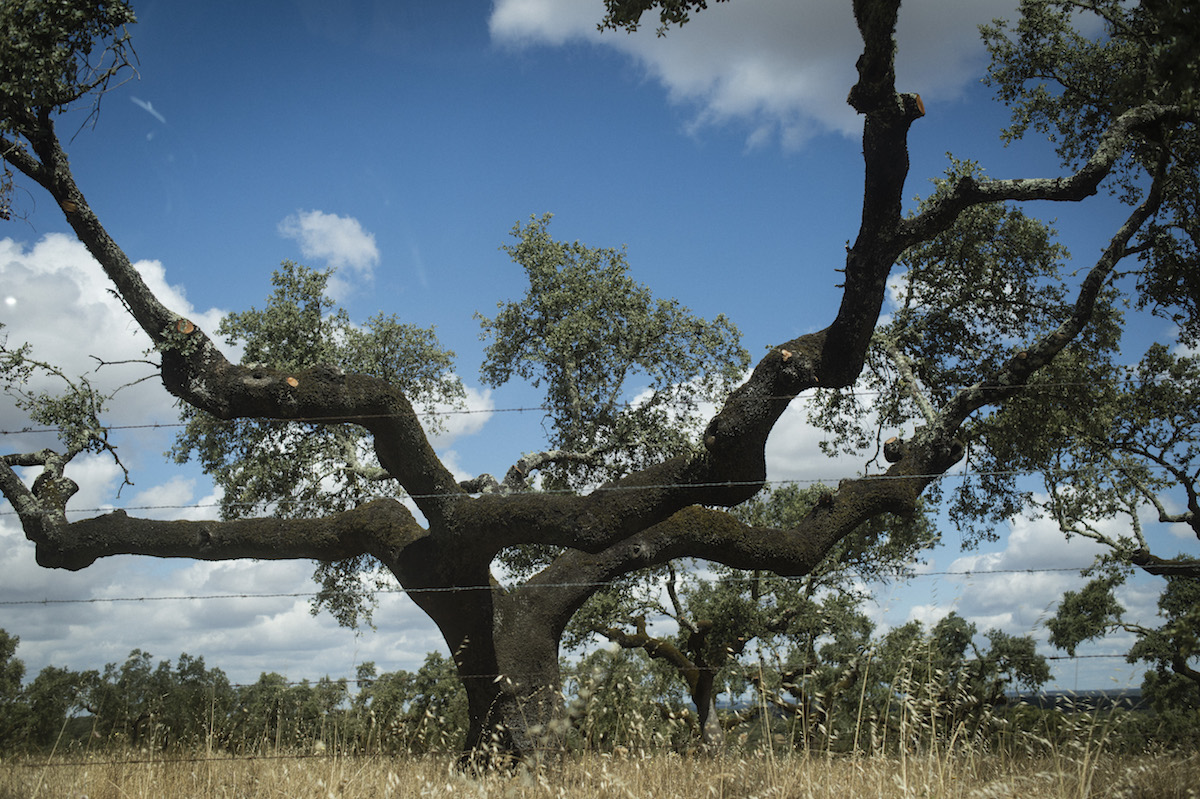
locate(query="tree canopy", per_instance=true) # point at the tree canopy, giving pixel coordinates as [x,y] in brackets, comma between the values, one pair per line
[586,330]
[53,54]
[996,345]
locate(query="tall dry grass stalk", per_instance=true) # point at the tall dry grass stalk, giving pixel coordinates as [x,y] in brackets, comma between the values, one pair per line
[970,775]
[932,738]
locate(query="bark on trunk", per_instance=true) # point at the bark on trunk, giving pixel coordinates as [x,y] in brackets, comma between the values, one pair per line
[712,734]
[506,653]
[514,705]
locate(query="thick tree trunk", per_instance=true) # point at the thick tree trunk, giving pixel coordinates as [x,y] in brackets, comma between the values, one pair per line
[712,735]
[506,654]
[514,691]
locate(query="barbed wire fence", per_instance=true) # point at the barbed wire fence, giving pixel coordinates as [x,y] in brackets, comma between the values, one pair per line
[151,758]
[967,575]
[895,579]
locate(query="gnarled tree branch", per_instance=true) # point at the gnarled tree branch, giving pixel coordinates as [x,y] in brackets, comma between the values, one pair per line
[381,528]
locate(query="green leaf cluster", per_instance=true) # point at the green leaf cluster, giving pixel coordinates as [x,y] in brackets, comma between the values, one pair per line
[412,712]
[943,678]
[625,375]
[54,52]
[309,469]
[1172,683]
[73,412]
[1139,440]
[967,301]
[144,703]
[623,699]
[1071,87]
[627,14]
[1085,614]
[328,468]
[1139,445]
[12,672]
[136,702]
[975,293]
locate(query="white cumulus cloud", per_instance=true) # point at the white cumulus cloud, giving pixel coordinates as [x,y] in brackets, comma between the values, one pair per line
[62,306]
[339,241]
[781,66]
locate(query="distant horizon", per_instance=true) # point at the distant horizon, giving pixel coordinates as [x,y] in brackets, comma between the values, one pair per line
[30,675]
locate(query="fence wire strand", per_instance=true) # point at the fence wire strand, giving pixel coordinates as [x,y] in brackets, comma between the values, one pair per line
[471,588]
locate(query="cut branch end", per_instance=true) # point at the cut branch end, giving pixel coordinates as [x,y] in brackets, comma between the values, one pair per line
[894,449]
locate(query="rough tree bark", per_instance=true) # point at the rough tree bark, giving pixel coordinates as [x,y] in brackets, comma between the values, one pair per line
[505,641]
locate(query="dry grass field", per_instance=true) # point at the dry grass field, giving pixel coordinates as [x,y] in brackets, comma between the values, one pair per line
[1023,752]
[662,776]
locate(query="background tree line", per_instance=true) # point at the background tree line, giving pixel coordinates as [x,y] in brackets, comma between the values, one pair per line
[775,678]
[186,705]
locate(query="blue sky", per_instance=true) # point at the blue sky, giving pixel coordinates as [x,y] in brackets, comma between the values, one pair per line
[401,142]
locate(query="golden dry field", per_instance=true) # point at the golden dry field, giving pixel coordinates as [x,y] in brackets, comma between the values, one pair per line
[662,776]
